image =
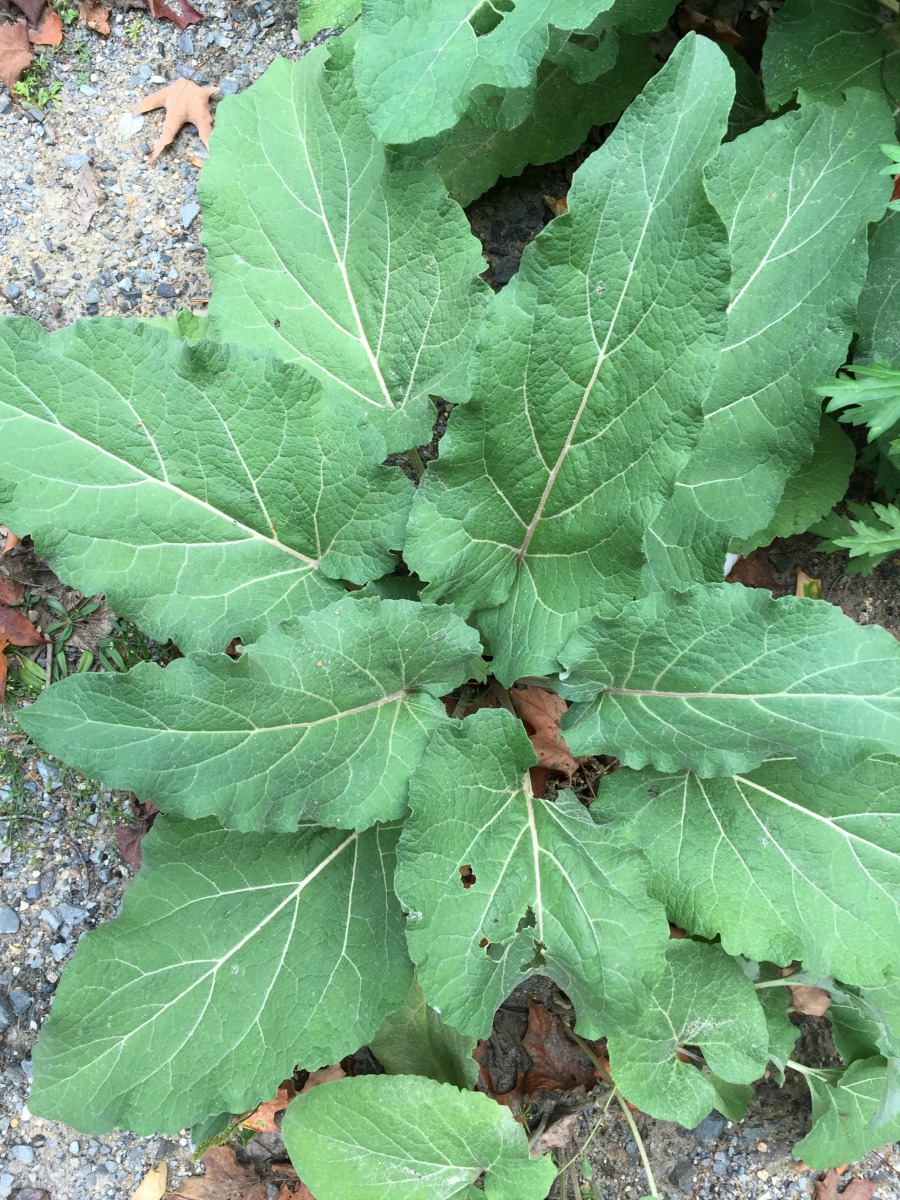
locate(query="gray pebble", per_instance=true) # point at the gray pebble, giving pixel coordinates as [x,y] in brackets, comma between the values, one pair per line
[4,103]
[682,1175]
[12,291]
[9,920]
[33,892]
[59,950]
[186,42]
[36,115]
[50,919]
[72,914]
[6,1180]
[710,1128]
[87,90]
[6,1013]
[21,1001]
[189,212]
[228,86]
[24,1154]
[165,290]
[92,297]
[74,1148]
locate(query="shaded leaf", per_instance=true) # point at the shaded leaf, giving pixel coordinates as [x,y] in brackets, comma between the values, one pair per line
[843,1105]
[415,1040]
[721,677]
[704,1000]
[412,1139]
[186,103]
[878,322]
[177,1009]
[323,719]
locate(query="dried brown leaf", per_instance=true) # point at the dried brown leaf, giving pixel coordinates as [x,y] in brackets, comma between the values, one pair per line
[15,56]
[557,1063]
[153,1185]
[541,712]
[49,32]
[856,1189]
[87,198]
[31,9]
[262,1119]
[186,103]
[807,587]
[95,16]
[323,1075]
[224,1179]
[179,12]
[11,592]
[813,1001]
[754,571]
[557,1136]
[17,629]
[689,20]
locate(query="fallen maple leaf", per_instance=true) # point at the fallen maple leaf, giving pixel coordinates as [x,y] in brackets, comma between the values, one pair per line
[87,198]
[49,32]
[186,103]
[224,1179]
[95,16]
[262,1119]
[813,1001]
[557,1063]
[856,1189]
[541,712]
[18,630]
[179,12]
[153,1185]
[15,56]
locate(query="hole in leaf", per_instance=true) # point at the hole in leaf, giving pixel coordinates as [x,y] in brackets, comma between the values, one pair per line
[528,921]
[466,875]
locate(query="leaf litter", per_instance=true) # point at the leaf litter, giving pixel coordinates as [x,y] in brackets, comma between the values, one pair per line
[15,52]
[186,103]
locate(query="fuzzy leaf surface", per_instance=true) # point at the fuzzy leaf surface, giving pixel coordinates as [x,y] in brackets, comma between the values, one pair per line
[553,893]
[784,864]
[796,195]
[176,1010]
[704,999]
[843,1105]
[825,47]
[721,677]
[329,249]
[382,1137]
[418,63]
[472,156]
[878,322]
[314,15]
[208,490]
[324,718]
[588,378]
[812,491]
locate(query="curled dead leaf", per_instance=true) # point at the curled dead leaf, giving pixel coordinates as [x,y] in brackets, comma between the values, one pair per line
[812,1001]
[263,1117]
[153,1185]
[179,12]
[88,197]
[541,712]
[11,592]
[95,16]
[186,103]
[557,1136]
[856,1189]
[323,1075]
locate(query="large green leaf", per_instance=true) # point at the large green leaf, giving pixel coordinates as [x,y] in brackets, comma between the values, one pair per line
[782,863]
[208,490]
[236,957]
[721,677]
[418,63]
[796,195]
[878,322]
[324,718]
[812,492]
[379,1137]
[500,885]
[825,47]
[588,378]
[705,1000]
[474,154]
[843,1105]
[328,249]
[415,1040]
